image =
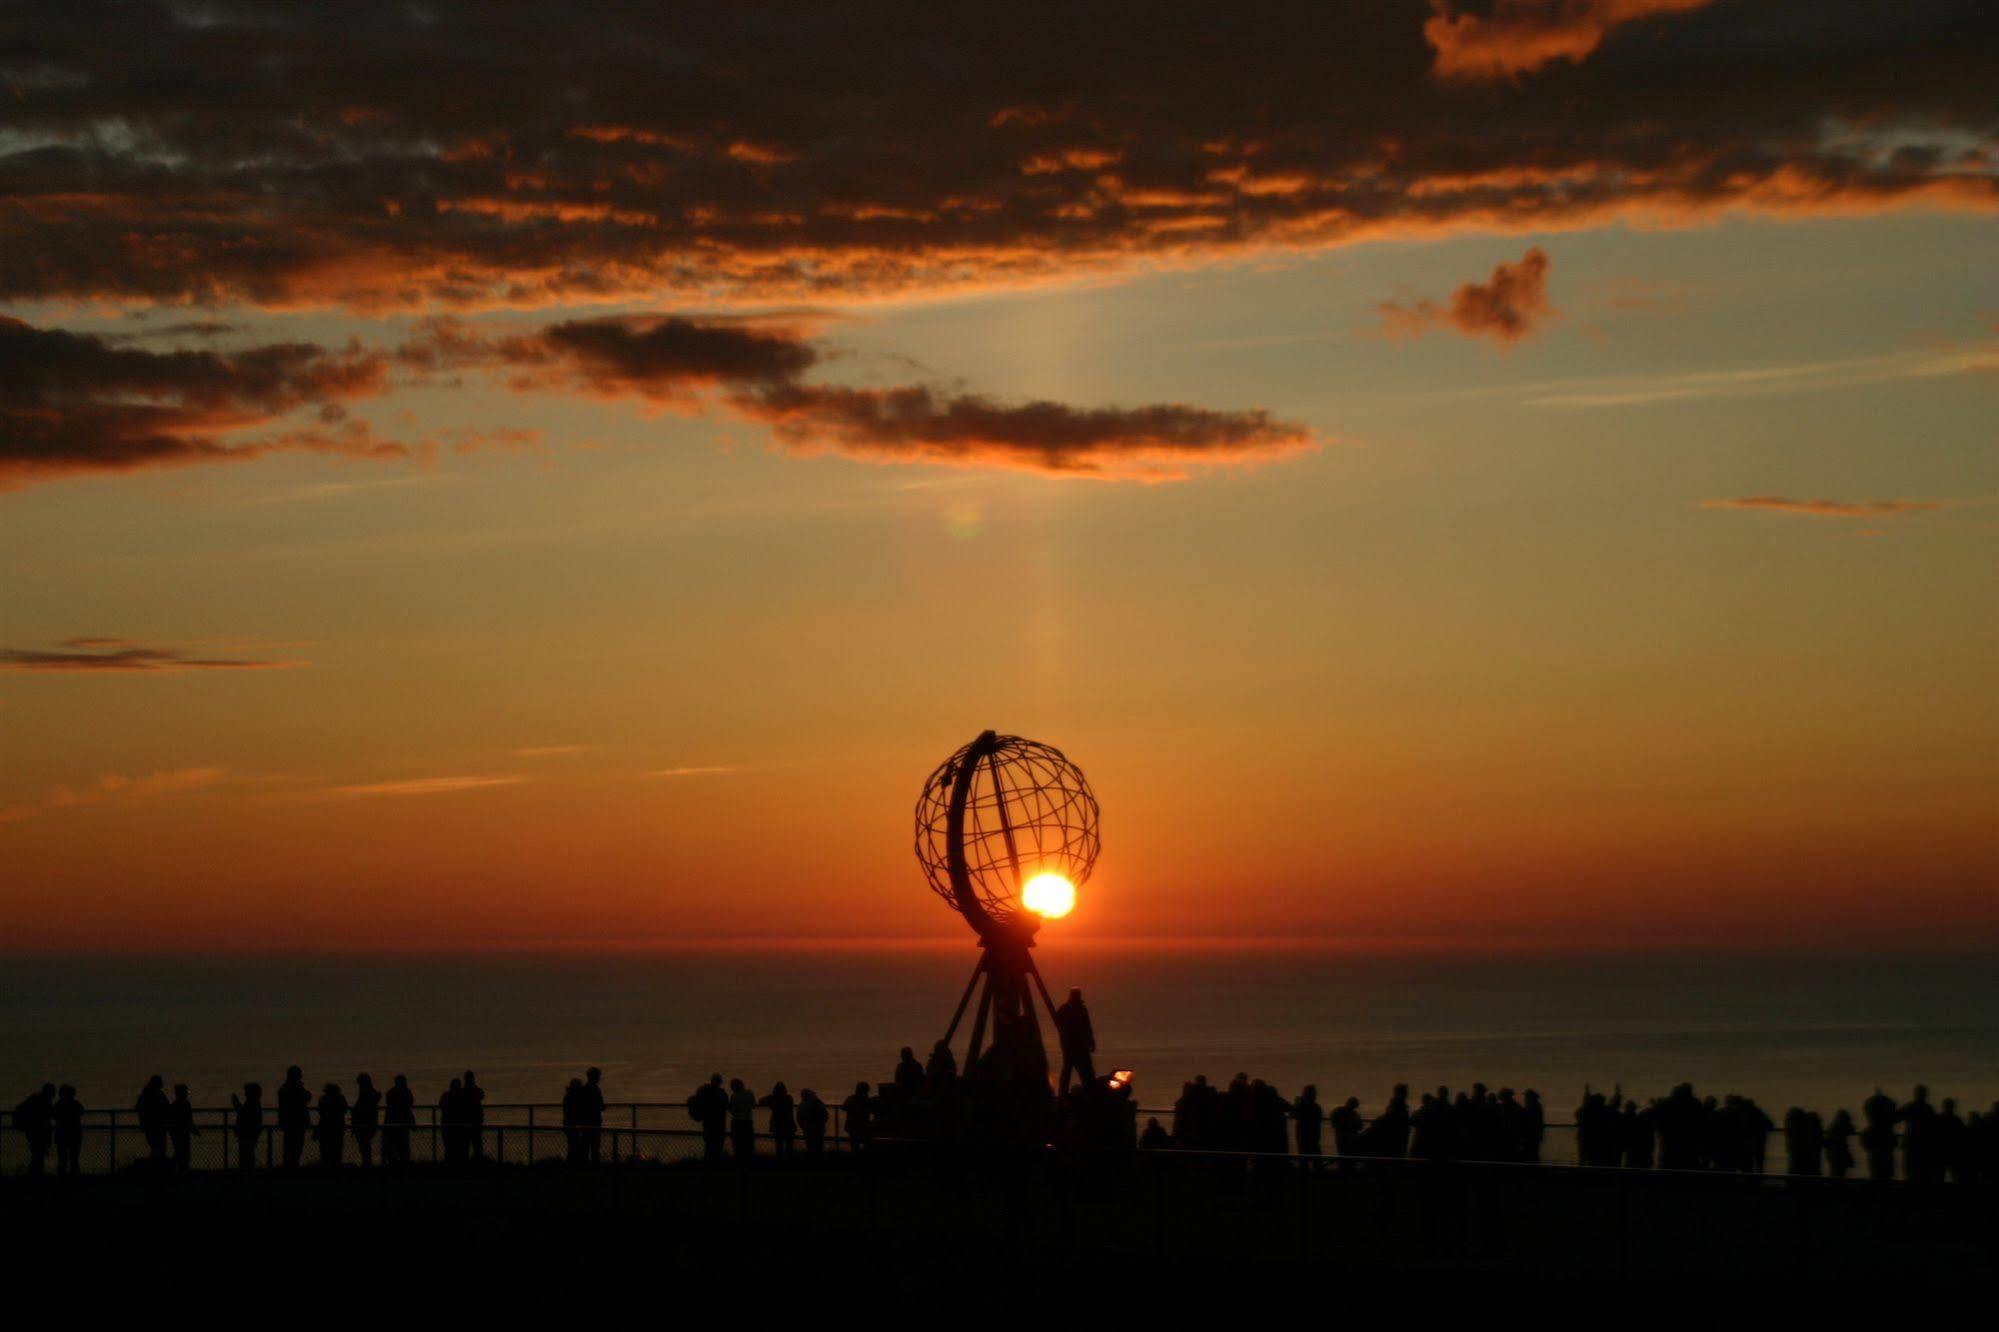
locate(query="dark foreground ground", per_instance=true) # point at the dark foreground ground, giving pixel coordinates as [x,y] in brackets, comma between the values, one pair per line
[1146,1238]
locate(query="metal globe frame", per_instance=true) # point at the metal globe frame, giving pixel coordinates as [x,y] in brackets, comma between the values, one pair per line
[998,811]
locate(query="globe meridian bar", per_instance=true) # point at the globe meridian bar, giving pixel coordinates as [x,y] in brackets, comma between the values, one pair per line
[999,811]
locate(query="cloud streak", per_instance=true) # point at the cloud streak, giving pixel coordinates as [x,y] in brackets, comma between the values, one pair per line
[1826,508]
[756,371]
[118,656]
[119,788]
[421,786]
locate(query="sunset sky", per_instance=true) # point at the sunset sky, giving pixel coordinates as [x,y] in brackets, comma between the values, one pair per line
[1512,474]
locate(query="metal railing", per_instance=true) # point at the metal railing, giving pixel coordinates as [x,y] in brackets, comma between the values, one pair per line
[113,1140]
[519,1133]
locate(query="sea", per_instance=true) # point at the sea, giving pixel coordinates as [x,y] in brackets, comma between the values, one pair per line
[1821,1032]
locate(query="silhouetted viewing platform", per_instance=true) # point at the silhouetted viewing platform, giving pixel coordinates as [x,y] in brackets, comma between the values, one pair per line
[1148,1213]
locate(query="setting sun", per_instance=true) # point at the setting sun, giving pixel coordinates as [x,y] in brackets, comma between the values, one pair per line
[1049,895]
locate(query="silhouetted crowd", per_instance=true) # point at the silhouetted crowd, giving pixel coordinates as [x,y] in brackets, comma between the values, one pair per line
[1680,1131]
[1007,1099]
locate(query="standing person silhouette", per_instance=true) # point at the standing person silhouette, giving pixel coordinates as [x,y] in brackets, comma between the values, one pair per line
[742,1121]
[1347,1127]
[66,1115]
[812,1117]
[332,1132]
[472,1110]
[859,1112]
[365,1117]
[1804,1141]
[1839,1145]
[783,1120]
[293,1099]
[591,1103]
[247,1114]
[1079,1041]
[1919,1139]
[1310,1118]
[1533,1126]
[180,1127]
[450,1111]
[709,1107]
[399,1116]
[153,1114]
[32,1118]
[1878,1138]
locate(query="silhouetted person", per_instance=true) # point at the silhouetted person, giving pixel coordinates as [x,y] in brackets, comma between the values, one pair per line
[859,1113]
[709,1107]
[812,1119]
[293,1099]
[450,1109]
[1804,1142]
[1949,1133]
[1839,1145]
[1878,1139]
[1755,1128]
[1310,1117]
[472,1112]
[1388,1134]
[1680,1119]
[1919,1139]
[247,1120]
[1347,1126]
[1079,1041]
[742,1121]
[66,1119]
[153,1114]
[366,1117]
[332,1131]
[591,1103]
[783,1120]
[1155,1136]
[1641,1143]
[908,1073]
[33,1118]
[180,1127]
[940,1072]
[1533,1126]
[398,1117]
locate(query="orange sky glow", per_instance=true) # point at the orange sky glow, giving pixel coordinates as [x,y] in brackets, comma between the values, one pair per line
[1523,480]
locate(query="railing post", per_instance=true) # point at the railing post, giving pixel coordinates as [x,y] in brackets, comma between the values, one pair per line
[530,1135]
[112,1156]
[226,1120]
[433,1135]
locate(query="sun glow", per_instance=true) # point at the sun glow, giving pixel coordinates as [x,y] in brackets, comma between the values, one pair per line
[1048,895]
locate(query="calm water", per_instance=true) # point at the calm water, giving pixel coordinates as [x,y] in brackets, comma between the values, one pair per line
[1819,1033]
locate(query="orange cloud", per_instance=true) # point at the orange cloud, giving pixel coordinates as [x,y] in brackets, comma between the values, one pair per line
[759,369]
[1509,305]
[1514,37]
[73,402]
[1167,442]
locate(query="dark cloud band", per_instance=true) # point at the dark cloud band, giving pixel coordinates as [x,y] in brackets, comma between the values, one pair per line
[379,154]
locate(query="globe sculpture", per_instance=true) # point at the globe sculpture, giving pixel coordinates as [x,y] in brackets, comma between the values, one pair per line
[1006,832]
